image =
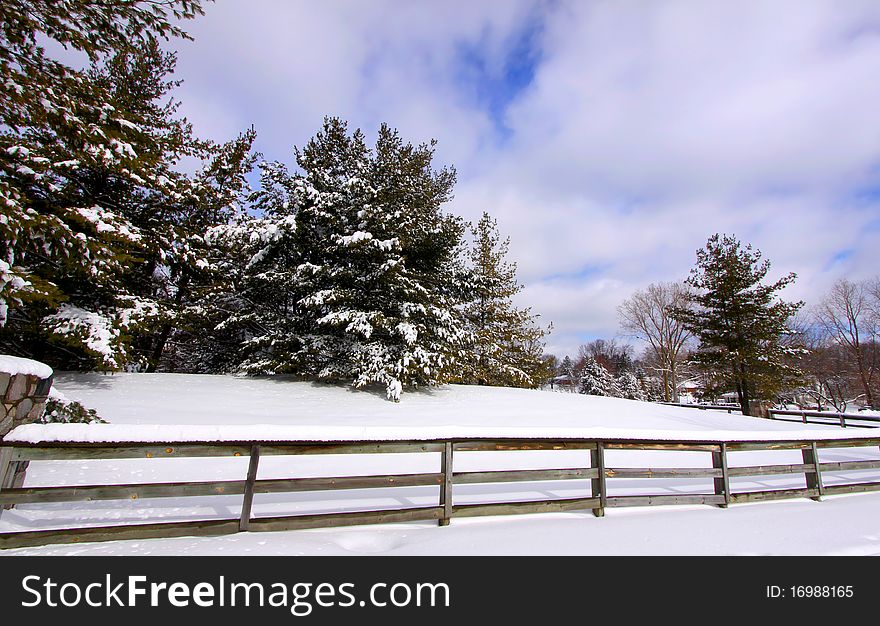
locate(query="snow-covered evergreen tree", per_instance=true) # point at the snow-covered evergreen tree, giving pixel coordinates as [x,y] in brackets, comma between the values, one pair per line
[630,387]
[351,273]
[652,388]
[505,346]
[197,281]
[566,368]
[93,209]
[740,323]
[595,380]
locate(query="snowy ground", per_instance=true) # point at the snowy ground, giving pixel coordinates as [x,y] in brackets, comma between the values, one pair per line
[223,406]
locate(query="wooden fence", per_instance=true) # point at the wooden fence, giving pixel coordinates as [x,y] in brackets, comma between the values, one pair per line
[844,420]
[711,407]
[445,478]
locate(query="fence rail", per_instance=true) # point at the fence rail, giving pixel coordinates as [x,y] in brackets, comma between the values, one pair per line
[844,420]
[597,499]
[711,407]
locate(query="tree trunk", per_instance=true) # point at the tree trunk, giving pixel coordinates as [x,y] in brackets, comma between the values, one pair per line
[743,391]
[167,327]
[159,347]
[863,377]
[673,380]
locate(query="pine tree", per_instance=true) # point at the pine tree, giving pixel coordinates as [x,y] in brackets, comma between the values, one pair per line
[652,388]
[198,282]
[595,380]
[630,387]
[506,344]
[351,273]
[87,182]
[739,322]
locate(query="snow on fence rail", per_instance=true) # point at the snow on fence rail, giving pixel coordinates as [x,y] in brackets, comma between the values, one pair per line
[445,478]
[843,419]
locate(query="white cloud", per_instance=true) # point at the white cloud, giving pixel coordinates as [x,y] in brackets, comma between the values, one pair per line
[648,126]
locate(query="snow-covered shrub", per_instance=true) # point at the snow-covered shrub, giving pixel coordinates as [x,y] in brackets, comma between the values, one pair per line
[62,410]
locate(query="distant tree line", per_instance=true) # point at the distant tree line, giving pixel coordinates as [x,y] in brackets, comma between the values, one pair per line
[726,329]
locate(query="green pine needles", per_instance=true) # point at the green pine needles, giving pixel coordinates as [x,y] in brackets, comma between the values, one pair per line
[741,325]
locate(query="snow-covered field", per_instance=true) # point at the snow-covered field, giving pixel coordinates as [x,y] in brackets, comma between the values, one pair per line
[179,407]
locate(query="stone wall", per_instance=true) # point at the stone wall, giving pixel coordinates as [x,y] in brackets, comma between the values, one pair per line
[24,398]
[23,393]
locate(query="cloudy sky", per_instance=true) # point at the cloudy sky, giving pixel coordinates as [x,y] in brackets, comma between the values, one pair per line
[609,138]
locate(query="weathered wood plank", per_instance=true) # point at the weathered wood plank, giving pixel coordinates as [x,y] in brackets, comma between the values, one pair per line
[683,446]
[741,446]
[7,475]
[851,488]
[200,528]
[770,470]
[510,476]
[6,461]
[477,445]
[85,453]
[531,506]
[446,472]
[847,443]
[664,500]
[248,500]
[57,451]
[87,493]
[662,472]
[286,485]
[351,448]
[330,520]
[722,482]
[598,487]
[813,471]
[773,494]
[845,466]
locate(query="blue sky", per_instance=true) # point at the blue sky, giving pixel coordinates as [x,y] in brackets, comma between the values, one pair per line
[609,138]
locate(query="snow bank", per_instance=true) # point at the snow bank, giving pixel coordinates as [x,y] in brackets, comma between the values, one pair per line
[17,365]
[116,433]
[181,408]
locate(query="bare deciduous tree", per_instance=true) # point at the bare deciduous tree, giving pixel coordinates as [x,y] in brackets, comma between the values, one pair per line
[614,357]
[647,315]
[849,317]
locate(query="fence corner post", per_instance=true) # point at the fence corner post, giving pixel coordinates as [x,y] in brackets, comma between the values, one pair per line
[597,485]
[7,471]
[446,486]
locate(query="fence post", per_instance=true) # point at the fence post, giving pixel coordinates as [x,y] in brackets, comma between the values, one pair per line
[446,487]
[597,485]
[248,500]
[722,485]
[842,421]
[813,478]
[7,472]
